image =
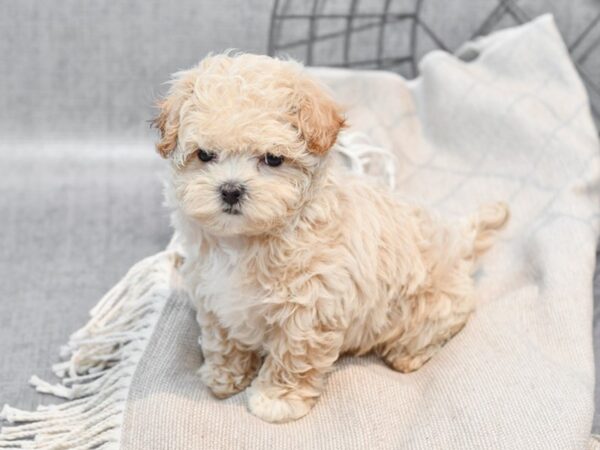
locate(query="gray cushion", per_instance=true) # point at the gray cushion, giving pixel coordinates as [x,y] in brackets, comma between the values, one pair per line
[73,218]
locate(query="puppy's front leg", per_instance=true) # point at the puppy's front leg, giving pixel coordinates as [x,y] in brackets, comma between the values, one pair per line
[300,353]
[228,365]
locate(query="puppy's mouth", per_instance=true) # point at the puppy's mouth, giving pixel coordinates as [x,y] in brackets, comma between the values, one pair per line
[232,210]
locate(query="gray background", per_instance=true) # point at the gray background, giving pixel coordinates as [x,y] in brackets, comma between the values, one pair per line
[72,68]
[80,192]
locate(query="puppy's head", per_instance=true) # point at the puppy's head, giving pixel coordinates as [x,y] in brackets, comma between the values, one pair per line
[248,136]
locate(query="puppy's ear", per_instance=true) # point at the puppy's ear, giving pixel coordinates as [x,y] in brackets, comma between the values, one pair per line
[167,120]
[318,118]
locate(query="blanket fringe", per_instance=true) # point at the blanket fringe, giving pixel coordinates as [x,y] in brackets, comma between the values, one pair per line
[365,158]
[101,361]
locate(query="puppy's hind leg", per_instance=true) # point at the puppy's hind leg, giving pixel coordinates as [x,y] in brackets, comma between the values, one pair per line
[426,332]
[401,359]
[427,320]
[412,356]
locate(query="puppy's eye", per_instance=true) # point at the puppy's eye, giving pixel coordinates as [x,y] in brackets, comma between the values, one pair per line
[273,160]
[205,156]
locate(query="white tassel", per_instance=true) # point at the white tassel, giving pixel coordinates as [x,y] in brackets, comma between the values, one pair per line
[103,356]
[361,153]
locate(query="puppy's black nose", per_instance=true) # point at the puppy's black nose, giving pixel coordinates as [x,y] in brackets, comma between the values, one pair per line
[231,193]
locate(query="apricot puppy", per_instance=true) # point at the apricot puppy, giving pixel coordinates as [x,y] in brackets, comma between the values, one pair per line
[290,260]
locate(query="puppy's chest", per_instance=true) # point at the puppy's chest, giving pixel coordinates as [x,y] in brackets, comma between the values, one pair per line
[224,287]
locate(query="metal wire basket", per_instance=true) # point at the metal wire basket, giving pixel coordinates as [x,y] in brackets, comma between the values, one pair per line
[394,34]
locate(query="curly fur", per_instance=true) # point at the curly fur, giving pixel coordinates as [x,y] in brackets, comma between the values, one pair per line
[316,262]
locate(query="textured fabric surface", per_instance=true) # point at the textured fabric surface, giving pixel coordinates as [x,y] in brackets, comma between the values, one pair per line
[74,217]
[513,123]
[78,68]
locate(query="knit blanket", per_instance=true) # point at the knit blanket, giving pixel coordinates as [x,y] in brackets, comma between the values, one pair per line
[506,118]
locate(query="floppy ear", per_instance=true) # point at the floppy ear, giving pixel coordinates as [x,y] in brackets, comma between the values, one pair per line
[167,120]
[318,118]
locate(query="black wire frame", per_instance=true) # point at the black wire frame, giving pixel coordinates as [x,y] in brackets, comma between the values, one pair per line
[381,21]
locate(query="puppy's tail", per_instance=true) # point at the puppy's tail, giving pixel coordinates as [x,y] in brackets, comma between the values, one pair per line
[485,223]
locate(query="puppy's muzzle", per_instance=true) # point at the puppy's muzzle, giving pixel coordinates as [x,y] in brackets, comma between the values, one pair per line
[231,193]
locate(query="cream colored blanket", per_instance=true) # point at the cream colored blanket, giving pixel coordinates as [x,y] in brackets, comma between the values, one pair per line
[508,119]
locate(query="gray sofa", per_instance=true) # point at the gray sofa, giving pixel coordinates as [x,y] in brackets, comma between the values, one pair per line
[79,179]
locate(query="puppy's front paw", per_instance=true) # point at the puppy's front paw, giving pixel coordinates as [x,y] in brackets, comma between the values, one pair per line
[221,381]
[270,408]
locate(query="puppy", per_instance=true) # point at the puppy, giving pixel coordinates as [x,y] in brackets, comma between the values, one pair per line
[290,260]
